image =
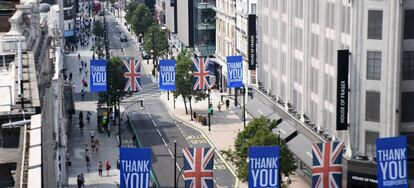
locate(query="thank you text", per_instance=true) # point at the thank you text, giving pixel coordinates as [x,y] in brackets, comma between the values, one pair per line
[392,162]
[234,71]
[264,166]
[98,75]
[167,75]
[135,167]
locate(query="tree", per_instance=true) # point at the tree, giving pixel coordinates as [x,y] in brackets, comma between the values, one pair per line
[99,32]
[130,10]
[141,19]
[184,80]
[115,80]
[258,133]
[156,40]
[98,29]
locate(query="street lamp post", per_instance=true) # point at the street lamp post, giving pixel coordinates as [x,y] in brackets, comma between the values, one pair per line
[243,91]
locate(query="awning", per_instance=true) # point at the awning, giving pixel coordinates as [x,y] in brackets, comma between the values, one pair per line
[302,148]
[257,108]
[284,129]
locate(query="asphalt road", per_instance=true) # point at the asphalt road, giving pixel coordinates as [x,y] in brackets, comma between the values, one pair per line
[156,128]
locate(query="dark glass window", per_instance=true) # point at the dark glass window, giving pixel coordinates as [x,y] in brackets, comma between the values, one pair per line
[372,106]
[373,65]
[407,107]
[375,24]
[408,65]
[409,24]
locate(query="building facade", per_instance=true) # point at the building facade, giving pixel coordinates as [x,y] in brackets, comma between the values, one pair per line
[297,49]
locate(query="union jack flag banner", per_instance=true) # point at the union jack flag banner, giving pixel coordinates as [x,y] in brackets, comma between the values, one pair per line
[201,73]
[327,168]
[198,167]
[132,75]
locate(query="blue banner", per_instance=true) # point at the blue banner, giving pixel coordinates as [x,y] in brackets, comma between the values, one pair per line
[135,167]
[392,162]
[167,75]
[97,75]
[234,71]
[264,166]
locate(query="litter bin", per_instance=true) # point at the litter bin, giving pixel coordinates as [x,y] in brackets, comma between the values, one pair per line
[204,122]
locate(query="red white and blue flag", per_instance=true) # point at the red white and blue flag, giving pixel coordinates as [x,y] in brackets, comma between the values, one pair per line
[201,73]
[198,167]
[327,168]
[132,75]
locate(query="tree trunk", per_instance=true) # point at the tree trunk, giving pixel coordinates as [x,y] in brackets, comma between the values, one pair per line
[191,108]
[185,105]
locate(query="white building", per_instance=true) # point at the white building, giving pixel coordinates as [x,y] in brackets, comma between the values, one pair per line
[225,35]
[297,71]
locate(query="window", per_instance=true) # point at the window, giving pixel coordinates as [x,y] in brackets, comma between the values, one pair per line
[375,24]
[253,10]
[373,65]
[370,143]
[372,106]
[407,107]
[330,15]
[315,45]
[315,12]
[408,65]
[409,25]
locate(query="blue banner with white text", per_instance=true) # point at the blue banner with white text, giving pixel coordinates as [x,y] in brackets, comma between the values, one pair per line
[234,71]
[264,166]
[392,162]
[167,75]
[135,166]
[97,75]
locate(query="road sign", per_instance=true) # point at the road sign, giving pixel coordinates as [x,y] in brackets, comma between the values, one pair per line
[392,162]
[98,75]
[135,167]
[167,75]
[264,166]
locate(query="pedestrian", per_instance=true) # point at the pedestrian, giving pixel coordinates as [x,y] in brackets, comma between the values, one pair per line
[109,129]
[88,162]
[83,93]
[227,104]
[96,144]
[86,150]
[79,58]
[82,180]
[78,181]
[107,167]
[88,116]
[80,68]
[93,145]
[92,134]
[100,168]
[70,76]
[80,116]
[219,106]
[81,124]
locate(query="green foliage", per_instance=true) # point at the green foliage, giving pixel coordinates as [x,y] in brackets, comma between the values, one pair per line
[130,10]
[156,40]
[115,81]
[99,32]
[141,19]
[98,29]
[258,133]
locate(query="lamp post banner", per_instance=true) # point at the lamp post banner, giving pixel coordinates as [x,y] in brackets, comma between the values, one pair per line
[234,71]
[264,166]
[392,162]
[135,167]
[98,75]
[167,75]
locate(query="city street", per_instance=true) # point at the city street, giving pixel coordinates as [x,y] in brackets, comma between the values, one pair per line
[155,127]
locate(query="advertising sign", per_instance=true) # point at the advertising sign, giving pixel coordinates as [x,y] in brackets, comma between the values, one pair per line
[264,166]
[97,75]
[342,90]
[234,71]
[135,167]
[167,75]
[392,162]
[251,55]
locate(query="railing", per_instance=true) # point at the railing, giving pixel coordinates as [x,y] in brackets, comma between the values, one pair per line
[138,143]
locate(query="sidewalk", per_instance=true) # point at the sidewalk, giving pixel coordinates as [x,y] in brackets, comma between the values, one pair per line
[77,138]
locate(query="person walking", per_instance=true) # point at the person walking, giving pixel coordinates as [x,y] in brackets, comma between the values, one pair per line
[93,146]
[96,144]
[78,181]
[82,180]
[219,106]
[107,167]
[88,162]
[81,125]
[86,150]
[80,68]
[227,104]
[83,93]
[92,134]
[88,116]
[70,76]
[100,166]
[80,116]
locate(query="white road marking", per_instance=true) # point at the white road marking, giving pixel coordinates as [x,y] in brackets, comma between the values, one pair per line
[149,114]
[153,122]
[159,132]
